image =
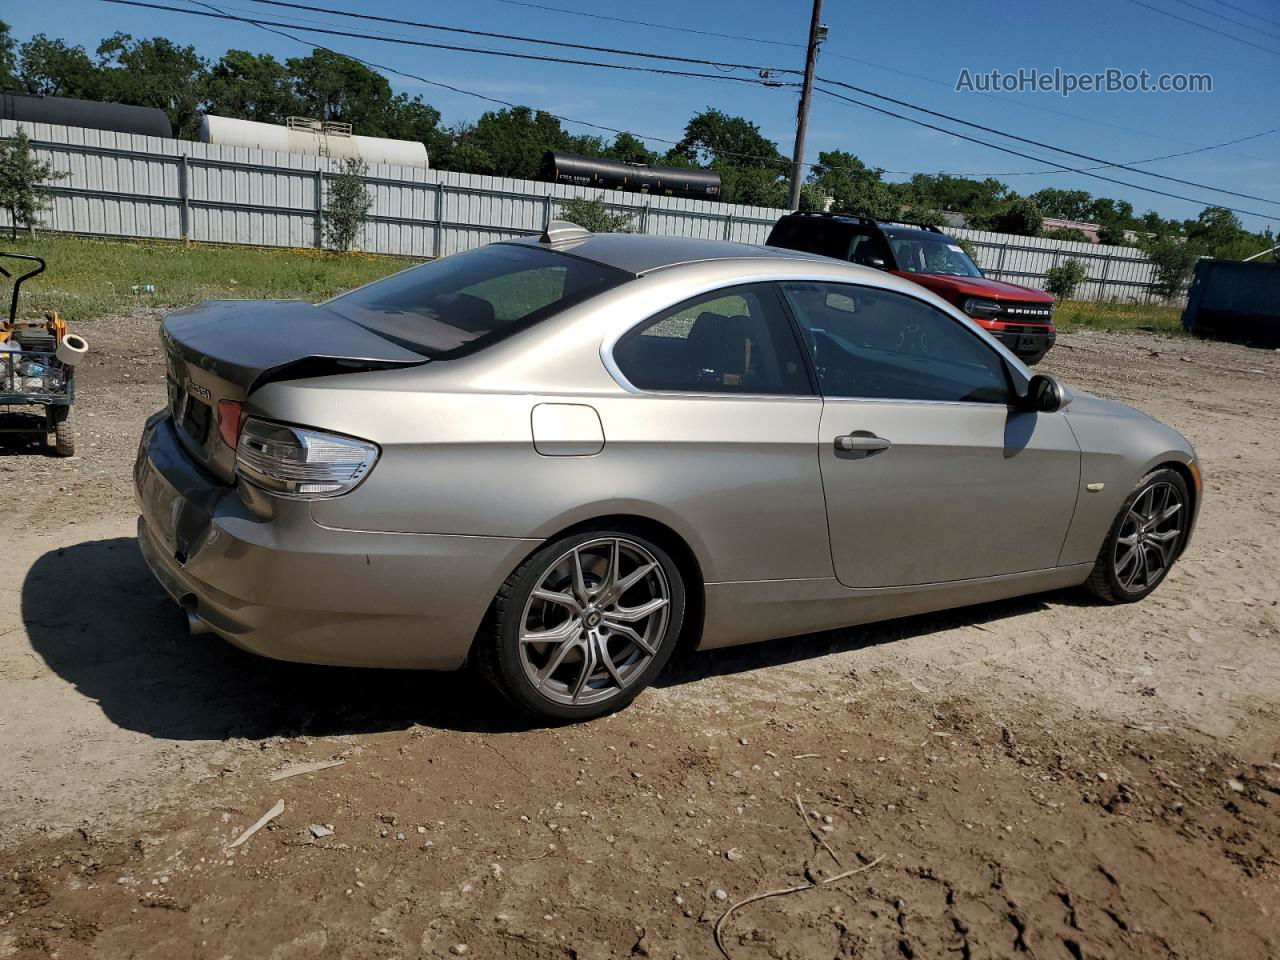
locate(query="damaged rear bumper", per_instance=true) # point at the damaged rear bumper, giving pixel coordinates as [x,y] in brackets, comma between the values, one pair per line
[286,587]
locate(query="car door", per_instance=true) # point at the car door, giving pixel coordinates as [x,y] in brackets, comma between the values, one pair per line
[719,427]
[930,471]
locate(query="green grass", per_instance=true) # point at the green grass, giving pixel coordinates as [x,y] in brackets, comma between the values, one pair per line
[89,278]
[1076,314]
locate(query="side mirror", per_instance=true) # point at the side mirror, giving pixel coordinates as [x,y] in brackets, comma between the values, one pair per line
[1045,394]
[875,262]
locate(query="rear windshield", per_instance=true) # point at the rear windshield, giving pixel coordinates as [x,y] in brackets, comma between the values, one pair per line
[463,303]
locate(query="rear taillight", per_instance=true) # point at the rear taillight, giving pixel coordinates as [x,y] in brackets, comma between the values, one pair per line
[299,463]
[230,420]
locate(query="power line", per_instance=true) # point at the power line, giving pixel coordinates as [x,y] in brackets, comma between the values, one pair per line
[1247,13]
[1203,26]
[868,63]
[541,58]
[950,86]
[511,36]
[646,23]
[1131,163]
[1027,156]
[1223,16]
[1045,146]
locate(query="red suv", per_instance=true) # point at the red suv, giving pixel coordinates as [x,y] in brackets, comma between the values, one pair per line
[1020,317]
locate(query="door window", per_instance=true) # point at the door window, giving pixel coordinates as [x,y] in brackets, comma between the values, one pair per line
[873,343]
[734,340]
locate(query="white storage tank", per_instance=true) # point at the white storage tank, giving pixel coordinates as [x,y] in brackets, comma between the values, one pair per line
[303,135]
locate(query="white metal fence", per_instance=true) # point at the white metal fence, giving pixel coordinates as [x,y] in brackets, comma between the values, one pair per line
[1112,273]
[125,185]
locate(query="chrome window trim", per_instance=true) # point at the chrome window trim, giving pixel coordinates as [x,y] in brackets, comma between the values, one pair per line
[1016,366]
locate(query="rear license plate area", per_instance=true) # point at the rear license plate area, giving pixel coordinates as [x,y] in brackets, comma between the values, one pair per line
[196,420]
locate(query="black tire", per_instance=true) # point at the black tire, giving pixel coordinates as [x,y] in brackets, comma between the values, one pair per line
[501,659]
[1108,581]
[64,430]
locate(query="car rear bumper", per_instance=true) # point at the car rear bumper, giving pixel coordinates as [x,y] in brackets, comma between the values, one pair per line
[285,587]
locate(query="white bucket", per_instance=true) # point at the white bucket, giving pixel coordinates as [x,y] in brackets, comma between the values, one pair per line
[72,349]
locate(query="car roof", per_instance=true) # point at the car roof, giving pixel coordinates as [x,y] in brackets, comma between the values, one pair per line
[639,254]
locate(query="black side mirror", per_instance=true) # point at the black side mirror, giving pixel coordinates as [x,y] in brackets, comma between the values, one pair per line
[875,262]
[1045,394]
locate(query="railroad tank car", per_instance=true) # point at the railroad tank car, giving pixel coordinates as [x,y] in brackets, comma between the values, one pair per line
[70,112]
[303,135]
[693,182]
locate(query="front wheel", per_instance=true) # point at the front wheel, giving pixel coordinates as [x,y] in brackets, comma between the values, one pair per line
[584,625]
[1144,540]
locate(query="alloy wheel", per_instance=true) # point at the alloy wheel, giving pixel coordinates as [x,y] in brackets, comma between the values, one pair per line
[1149,536]
[594,622]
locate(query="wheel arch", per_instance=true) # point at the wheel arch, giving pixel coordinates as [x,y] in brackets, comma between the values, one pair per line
[664,535]
[1190,473]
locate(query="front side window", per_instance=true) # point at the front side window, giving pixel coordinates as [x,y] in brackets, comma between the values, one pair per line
[736,340]
[462,303]
[879,344]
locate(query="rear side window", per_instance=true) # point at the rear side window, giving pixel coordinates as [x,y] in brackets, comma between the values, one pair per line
[734,340]
[830,238]
[462,303]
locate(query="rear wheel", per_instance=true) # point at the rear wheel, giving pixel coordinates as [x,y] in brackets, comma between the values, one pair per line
[584,625]
[64,430]
[1144,540]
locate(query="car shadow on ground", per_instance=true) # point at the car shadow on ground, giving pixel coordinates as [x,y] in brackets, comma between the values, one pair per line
[100,621]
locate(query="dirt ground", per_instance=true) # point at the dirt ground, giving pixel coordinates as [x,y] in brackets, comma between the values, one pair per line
[1044,777]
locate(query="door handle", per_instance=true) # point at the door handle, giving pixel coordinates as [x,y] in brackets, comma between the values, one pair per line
[861,442]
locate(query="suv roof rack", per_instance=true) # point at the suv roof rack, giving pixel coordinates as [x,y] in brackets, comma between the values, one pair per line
[863,218]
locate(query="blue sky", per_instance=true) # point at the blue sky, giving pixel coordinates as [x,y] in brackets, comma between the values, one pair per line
[930,38]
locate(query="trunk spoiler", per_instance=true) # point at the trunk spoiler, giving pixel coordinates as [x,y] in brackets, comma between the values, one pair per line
[250,343]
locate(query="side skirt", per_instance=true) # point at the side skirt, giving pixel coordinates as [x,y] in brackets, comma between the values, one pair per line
[750,611]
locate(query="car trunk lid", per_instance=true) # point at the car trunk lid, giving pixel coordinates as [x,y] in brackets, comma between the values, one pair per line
[222,350]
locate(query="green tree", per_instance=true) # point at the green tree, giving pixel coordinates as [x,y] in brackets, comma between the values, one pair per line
[1067,233]
[346,205]
[1020,216]
[156,73]
[595,216]
[22,183]
[1113,232]
[8,60]
[54,69]
[630,149]
[946,192]
[510,142]
[329,86]
[712,136]
[1174,259]
[1219,232]
[1063,279]
[1064,204]
[751,169]
[853,186]
[251,86]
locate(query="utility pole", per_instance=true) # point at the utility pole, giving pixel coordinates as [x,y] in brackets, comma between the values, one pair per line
[817,33]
